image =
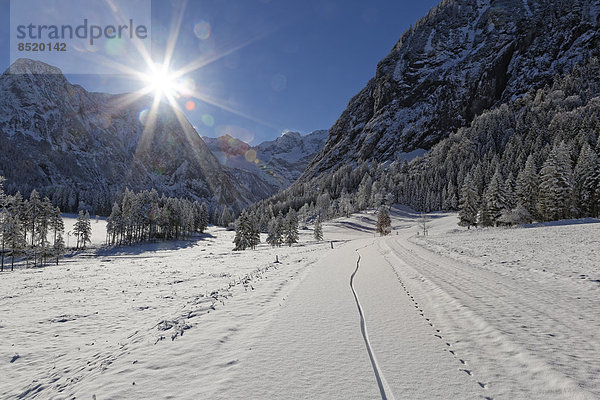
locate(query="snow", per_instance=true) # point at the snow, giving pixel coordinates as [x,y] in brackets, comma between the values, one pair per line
[494,313]
[98,237]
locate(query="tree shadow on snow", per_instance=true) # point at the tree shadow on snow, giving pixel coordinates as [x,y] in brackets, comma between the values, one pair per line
[155,246]
[564,222]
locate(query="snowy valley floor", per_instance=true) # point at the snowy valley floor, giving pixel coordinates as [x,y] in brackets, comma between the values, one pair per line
[498,313]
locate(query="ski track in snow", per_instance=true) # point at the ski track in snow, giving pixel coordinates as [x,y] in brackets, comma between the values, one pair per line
[384,388]
[474,303]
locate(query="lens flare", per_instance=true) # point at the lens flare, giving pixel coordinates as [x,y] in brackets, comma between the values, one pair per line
[208,120]
[279,82]
[143,117]
[202,30]
[190,105]
[250,155]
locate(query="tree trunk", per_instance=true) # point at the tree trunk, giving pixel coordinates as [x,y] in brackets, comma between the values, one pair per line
[3,242]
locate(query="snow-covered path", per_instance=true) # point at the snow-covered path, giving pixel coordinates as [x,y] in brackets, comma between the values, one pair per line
[315,346]
[438,327]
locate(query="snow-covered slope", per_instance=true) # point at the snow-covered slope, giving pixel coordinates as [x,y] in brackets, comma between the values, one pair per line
[464,57]
[76,146]
[269,166]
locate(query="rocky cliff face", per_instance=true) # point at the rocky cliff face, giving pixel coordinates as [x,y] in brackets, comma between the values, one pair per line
[270,166]
[464,57]
[80,147]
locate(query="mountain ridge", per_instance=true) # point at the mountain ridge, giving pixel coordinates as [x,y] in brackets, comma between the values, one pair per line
[83,148]
[270,166]
[463,57]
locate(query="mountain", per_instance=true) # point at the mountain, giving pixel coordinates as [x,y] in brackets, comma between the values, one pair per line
[270,166]
[80,148]
[463,57]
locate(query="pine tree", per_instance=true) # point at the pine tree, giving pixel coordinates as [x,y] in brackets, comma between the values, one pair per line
[43,229]
[556,185]
[318,229]
[468,204]
[291,228]
[13,232]
[384,223]
[82,229]
[34,210]
[114,225]
[58,227]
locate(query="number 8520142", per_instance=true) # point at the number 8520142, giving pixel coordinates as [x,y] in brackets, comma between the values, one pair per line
[35,46]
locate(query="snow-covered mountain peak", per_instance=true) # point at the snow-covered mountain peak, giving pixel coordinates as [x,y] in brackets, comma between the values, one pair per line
[28,66]
[271,165]
[77,146]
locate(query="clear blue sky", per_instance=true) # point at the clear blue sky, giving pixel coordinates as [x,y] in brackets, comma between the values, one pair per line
[304,62]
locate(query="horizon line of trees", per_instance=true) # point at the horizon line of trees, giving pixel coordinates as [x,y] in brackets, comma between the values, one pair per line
[146,216]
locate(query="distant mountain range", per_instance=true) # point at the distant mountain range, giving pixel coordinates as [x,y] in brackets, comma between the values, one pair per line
[83,149]
[270,166]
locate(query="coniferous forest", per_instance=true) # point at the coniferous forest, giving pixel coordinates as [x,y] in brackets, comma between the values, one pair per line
[535,158]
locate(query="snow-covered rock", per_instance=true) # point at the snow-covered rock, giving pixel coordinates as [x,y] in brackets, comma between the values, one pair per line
[463,57]
[270,166]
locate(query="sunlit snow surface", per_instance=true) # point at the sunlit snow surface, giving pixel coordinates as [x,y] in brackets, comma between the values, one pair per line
[498,313]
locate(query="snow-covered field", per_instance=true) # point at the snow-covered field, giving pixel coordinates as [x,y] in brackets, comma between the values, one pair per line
[498,313]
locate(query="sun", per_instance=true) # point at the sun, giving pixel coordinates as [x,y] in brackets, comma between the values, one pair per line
[162,82]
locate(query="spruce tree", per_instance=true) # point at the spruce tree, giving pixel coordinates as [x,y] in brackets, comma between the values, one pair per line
[556,185]
[468,203]
[204,218]
[318,229]
[494,200]
[587,182]
[384,223]
[4,218]
[254,236]
[275,235]
[291,228]
[243,232]
[527,186]
[364,192]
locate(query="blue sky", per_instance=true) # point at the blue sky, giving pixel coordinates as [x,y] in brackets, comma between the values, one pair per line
[300,63]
